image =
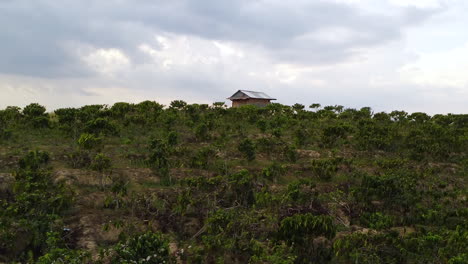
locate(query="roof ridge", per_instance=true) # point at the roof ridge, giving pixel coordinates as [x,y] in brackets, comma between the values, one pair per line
[250,91]
[253,94]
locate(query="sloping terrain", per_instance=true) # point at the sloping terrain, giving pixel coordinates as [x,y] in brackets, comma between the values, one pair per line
[207,184]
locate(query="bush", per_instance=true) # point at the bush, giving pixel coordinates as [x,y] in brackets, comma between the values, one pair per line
[36,115]
[34,160]
[202,158]
[89,141]
[172,138]
[298,228]
[201,131]
[34,110]
[159,154]
[5,134]
[301,230]
[247,148]
[377,220]
[274,171]
[290,154]
[101,126]
[332,135]
[325,169]
[144,248]
[33,210]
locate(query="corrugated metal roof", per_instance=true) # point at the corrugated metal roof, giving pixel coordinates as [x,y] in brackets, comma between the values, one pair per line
[244,94]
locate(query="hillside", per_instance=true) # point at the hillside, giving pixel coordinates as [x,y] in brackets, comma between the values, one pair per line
[210,184]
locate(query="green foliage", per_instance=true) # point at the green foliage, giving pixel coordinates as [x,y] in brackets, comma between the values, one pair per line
[5,134]
[58,253]
[101,163]
[377,220]
[274,171]
[120,110]
[36,115]
[247,148]
[302,232]
[34,110]
[298,228]
[300,137]
[178,104]
[158,158]
[240,188]
[394,189]
[299,191]
[262,125]
[172,138]
[36,204]
[89,141]
[272,253]
[374,135]
[34,160]
[315,106]
[333,135]
[380,188]
[203,157]
[67,116]
[148,248]
[444,246]
[64,256]
[367,248]
[290,154]
[325,169]
[101,126]
[201,131]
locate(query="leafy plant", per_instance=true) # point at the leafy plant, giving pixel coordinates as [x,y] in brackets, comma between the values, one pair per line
[247,148]
[143,248]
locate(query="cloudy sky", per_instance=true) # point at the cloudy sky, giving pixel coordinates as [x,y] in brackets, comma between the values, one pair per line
[386,54]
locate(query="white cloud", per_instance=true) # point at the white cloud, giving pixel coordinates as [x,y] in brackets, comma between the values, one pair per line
[107,61]
[350,52]
[445,68]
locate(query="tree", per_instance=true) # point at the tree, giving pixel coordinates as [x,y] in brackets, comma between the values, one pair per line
[178,104]
[315,106]
[35,114]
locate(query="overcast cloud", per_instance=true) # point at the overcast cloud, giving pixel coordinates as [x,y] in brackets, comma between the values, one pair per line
[385,54]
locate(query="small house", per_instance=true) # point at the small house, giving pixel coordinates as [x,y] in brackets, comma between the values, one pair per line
[243,97]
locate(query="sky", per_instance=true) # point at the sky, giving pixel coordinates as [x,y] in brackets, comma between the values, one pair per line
[384,54]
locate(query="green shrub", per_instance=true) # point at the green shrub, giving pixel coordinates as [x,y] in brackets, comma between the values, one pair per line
[36,115]
[34,160]
[298,228]
[202,158]
[89,141]
[247,148]
[100,126]
[144,248]
[377,220]
[201,131]
[274,171]
[325,169]
[172,138]
[333,135]
[34,209]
